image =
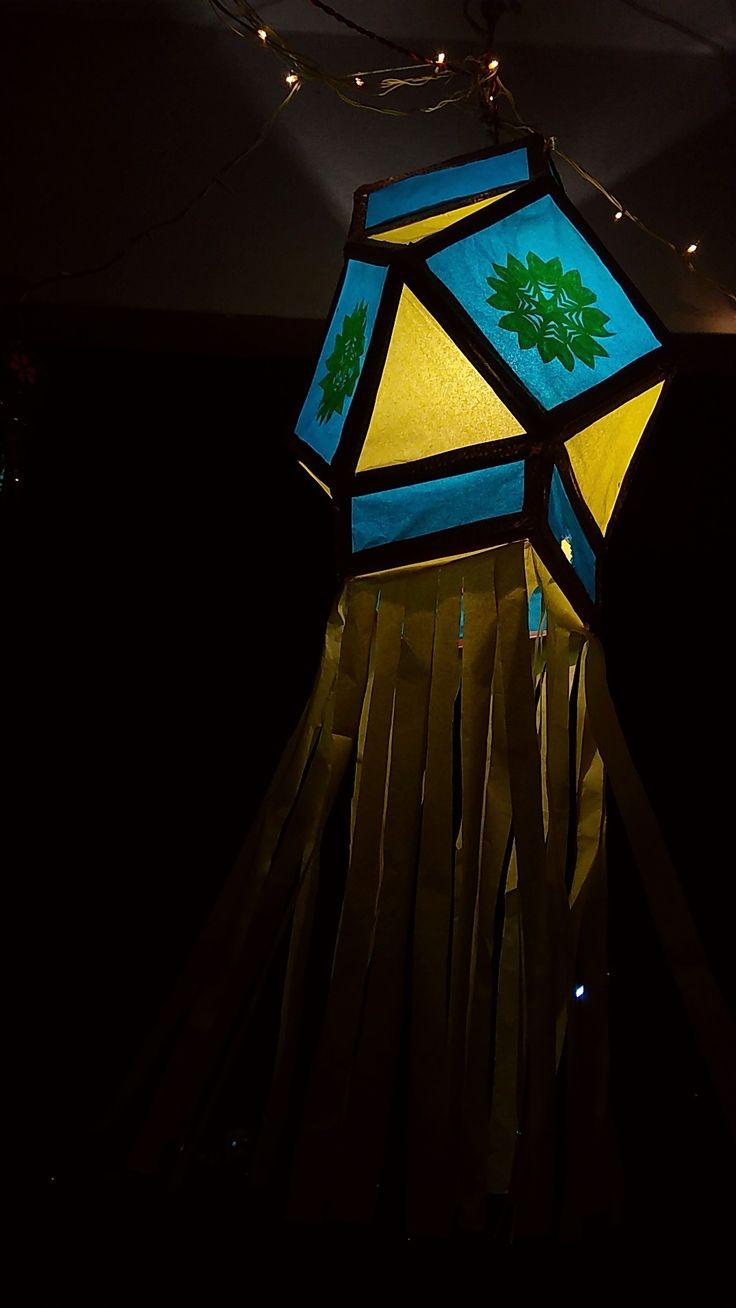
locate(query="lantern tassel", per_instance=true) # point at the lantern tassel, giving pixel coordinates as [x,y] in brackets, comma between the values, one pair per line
[432,1034]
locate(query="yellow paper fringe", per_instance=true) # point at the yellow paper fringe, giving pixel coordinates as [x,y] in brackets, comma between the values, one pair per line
[473,906]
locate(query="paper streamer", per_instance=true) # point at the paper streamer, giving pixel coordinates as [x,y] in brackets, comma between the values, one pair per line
[450,1050]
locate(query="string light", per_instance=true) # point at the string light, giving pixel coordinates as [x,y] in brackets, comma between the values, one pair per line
[247,20]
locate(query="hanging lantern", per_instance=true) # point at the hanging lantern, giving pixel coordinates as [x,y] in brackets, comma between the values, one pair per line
[487,373]
[487,377]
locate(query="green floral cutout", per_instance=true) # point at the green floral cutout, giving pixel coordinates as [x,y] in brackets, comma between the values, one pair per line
[343,365]
[550,309]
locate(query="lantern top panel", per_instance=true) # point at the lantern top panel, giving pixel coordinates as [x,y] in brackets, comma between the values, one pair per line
[447,185]
[399,199]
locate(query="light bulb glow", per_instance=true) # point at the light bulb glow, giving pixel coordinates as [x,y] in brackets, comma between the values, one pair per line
[262,34]
[692,247]
[291,79]
[579,992]
[441,57]
[359,81]
[493,66]
[618,215]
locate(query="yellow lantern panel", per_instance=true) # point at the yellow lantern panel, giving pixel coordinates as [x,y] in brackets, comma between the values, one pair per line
[318,480]
[601,453]
[436,222]
[430,399]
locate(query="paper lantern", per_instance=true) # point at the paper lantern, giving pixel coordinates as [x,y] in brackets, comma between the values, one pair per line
[486,380]
[487,373]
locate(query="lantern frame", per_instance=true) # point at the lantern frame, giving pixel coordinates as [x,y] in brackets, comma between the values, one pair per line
[542,444]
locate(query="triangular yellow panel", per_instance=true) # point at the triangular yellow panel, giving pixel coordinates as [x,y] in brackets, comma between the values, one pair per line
[437,222]
[602,452]
[314,477]
[430,398]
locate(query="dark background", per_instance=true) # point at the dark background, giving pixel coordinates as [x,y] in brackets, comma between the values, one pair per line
[168,570]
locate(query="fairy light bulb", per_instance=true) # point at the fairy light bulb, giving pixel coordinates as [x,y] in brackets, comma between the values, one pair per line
[493,66]
[359,81]
[693,247]
[441,58]
[618,215]
[262,34]
[291,79]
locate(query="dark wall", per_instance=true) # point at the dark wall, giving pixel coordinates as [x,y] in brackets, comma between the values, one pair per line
[120,111]
[171,573]
[168,575]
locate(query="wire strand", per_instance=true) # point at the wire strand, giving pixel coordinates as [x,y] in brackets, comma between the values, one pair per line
[216,180]
[483,82]
[373,36]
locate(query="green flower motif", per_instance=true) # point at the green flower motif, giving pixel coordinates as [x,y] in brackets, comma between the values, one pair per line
[343,365]
[550,309]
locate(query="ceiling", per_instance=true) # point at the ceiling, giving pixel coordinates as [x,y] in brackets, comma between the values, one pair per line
[124,110]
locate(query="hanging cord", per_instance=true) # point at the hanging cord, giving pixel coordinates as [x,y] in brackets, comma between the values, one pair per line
[373,36]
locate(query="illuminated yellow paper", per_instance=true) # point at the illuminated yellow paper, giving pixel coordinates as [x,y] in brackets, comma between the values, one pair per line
[436,222]
[318,480]
[601,453]
[431,399]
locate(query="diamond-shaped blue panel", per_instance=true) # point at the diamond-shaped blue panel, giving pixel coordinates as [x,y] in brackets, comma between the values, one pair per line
[535,317]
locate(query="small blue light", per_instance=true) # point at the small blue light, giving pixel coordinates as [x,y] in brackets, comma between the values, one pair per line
[579,992]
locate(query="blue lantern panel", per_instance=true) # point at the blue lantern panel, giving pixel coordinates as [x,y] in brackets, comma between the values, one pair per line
[409,511]
[565,527]
[553,310]
[446,185]
[537,619]
[330,395]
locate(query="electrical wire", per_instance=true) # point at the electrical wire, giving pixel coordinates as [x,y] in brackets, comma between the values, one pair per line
[216,180]
[484,85]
